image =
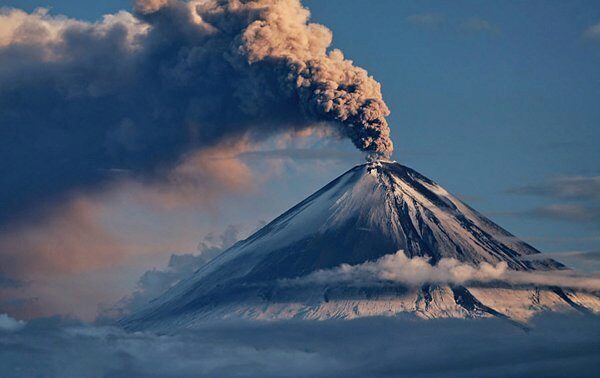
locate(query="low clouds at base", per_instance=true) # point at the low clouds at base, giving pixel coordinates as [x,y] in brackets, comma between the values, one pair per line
[556,346]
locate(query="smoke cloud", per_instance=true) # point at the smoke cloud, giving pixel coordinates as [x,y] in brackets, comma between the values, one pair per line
[136,92]
[417,271]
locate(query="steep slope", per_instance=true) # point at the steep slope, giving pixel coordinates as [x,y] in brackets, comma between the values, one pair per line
[374,209]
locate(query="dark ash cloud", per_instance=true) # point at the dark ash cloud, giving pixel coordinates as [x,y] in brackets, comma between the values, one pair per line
[556,346]
[137,93]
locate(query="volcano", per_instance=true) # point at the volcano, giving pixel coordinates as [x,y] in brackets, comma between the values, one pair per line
[371,211]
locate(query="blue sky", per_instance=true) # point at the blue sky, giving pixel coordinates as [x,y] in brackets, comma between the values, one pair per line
[493,100]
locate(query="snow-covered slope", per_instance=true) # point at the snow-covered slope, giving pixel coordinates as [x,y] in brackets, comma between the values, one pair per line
[373,210]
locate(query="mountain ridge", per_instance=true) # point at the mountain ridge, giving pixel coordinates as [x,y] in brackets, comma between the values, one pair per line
[370,211]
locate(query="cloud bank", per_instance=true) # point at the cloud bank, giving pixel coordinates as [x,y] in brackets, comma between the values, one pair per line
[137,92]
[416,271]
[556,346]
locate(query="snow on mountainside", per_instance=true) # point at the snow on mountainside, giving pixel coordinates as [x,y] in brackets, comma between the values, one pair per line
[371,211]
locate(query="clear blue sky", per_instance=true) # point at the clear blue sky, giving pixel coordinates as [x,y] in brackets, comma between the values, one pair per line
[485,97]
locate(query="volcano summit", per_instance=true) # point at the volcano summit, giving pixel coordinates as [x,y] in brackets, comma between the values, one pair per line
[377,216]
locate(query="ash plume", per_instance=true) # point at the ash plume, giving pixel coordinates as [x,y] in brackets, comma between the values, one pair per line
[138,92]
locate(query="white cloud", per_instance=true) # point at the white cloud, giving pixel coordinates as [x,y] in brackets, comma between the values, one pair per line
[411,271]
[417,271]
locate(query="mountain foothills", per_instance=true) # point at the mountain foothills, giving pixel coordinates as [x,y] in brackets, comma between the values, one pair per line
[380,240]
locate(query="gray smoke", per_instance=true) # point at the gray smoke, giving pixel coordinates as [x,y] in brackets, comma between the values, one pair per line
[138,92]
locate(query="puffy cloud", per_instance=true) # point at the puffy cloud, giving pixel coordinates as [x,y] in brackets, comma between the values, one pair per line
[555,346]
[414,271]
[417,271]
[140,92]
